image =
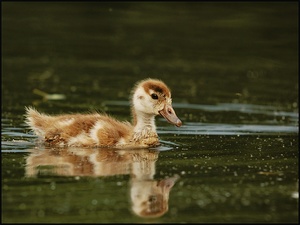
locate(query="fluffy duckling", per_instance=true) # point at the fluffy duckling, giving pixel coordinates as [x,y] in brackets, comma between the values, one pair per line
[150,97]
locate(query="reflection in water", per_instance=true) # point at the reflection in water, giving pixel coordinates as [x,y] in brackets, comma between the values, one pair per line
[149,197]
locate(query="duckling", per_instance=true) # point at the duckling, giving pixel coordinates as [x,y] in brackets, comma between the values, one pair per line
[150,97]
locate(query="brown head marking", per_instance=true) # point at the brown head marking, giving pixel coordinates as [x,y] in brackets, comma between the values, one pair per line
[157,86]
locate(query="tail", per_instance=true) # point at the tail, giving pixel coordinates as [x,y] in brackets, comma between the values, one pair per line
[38,122]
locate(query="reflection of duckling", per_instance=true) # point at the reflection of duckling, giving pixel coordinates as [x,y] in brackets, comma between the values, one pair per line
[149,197]
[150,98]
[61,162]
[86,161]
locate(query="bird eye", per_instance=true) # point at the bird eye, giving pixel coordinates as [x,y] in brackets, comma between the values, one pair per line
[154,96]
[152,198]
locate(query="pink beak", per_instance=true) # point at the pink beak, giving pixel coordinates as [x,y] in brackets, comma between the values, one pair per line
[169,114]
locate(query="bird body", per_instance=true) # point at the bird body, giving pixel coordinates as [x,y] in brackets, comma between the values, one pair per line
[150,97]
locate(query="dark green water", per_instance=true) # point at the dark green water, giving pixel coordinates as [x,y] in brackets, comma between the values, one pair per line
[233,71]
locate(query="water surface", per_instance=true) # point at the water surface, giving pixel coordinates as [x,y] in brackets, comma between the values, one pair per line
[233,72]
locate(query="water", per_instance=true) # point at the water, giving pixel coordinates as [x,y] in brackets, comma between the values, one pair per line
[233,72]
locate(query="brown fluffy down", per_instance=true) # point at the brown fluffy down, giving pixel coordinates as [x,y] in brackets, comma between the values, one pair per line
[60,129]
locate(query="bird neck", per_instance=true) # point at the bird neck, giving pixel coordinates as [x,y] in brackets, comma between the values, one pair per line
[142,121]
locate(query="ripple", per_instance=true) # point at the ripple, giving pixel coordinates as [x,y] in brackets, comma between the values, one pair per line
[221,107]
[16,146]
[19,138]
[229,129]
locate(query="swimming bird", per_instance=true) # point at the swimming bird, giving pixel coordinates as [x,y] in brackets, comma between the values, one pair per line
[149,98]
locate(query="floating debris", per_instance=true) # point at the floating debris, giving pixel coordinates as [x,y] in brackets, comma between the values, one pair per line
[47,96]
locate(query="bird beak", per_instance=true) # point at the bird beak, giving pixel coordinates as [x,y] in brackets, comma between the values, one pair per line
[168,183]
[169,114]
